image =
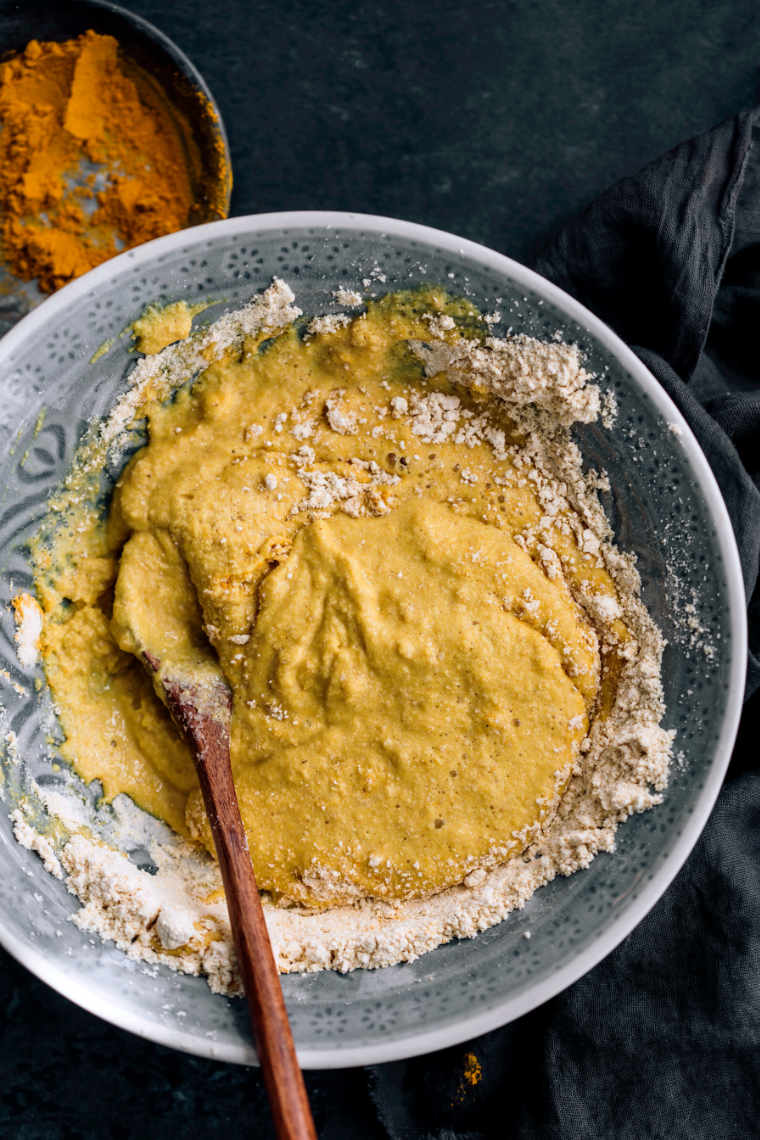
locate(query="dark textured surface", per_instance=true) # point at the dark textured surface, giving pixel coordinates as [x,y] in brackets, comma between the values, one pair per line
[494,121]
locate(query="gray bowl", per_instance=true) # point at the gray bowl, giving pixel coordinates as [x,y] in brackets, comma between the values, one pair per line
[665,506]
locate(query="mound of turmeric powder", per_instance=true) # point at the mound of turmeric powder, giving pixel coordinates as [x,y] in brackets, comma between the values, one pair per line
[92,161]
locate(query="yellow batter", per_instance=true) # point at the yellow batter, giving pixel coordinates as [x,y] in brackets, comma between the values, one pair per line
[410,686]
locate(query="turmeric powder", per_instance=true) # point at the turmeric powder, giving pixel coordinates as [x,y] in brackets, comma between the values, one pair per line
[471,1077]
[473,1070]
[92,161]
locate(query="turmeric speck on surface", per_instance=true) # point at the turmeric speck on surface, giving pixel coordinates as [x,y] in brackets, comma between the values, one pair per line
[473,1070]
[92,160]
[471,1077]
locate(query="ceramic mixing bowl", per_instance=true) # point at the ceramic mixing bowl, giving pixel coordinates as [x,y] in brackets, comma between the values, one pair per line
[664,505]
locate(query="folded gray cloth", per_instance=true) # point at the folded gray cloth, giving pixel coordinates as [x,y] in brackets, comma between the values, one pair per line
[662,1038]
[671,260]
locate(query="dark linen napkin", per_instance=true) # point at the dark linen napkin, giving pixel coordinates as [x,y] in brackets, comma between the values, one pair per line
[661,1039]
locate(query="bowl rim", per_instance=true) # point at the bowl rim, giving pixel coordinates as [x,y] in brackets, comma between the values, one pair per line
[457,1029]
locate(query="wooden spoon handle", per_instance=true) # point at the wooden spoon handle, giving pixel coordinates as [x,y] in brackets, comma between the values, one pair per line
[269,1018]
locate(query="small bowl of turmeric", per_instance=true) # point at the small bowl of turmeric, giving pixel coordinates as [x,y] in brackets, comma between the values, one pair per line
[109,137]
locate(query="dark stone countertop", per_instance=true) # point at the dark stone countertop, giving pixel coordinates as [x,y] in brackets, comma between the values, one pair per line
[495,121]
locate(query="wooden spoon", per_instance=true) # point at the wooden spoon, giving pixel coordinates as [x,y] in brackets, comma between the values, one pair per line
[201,710]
